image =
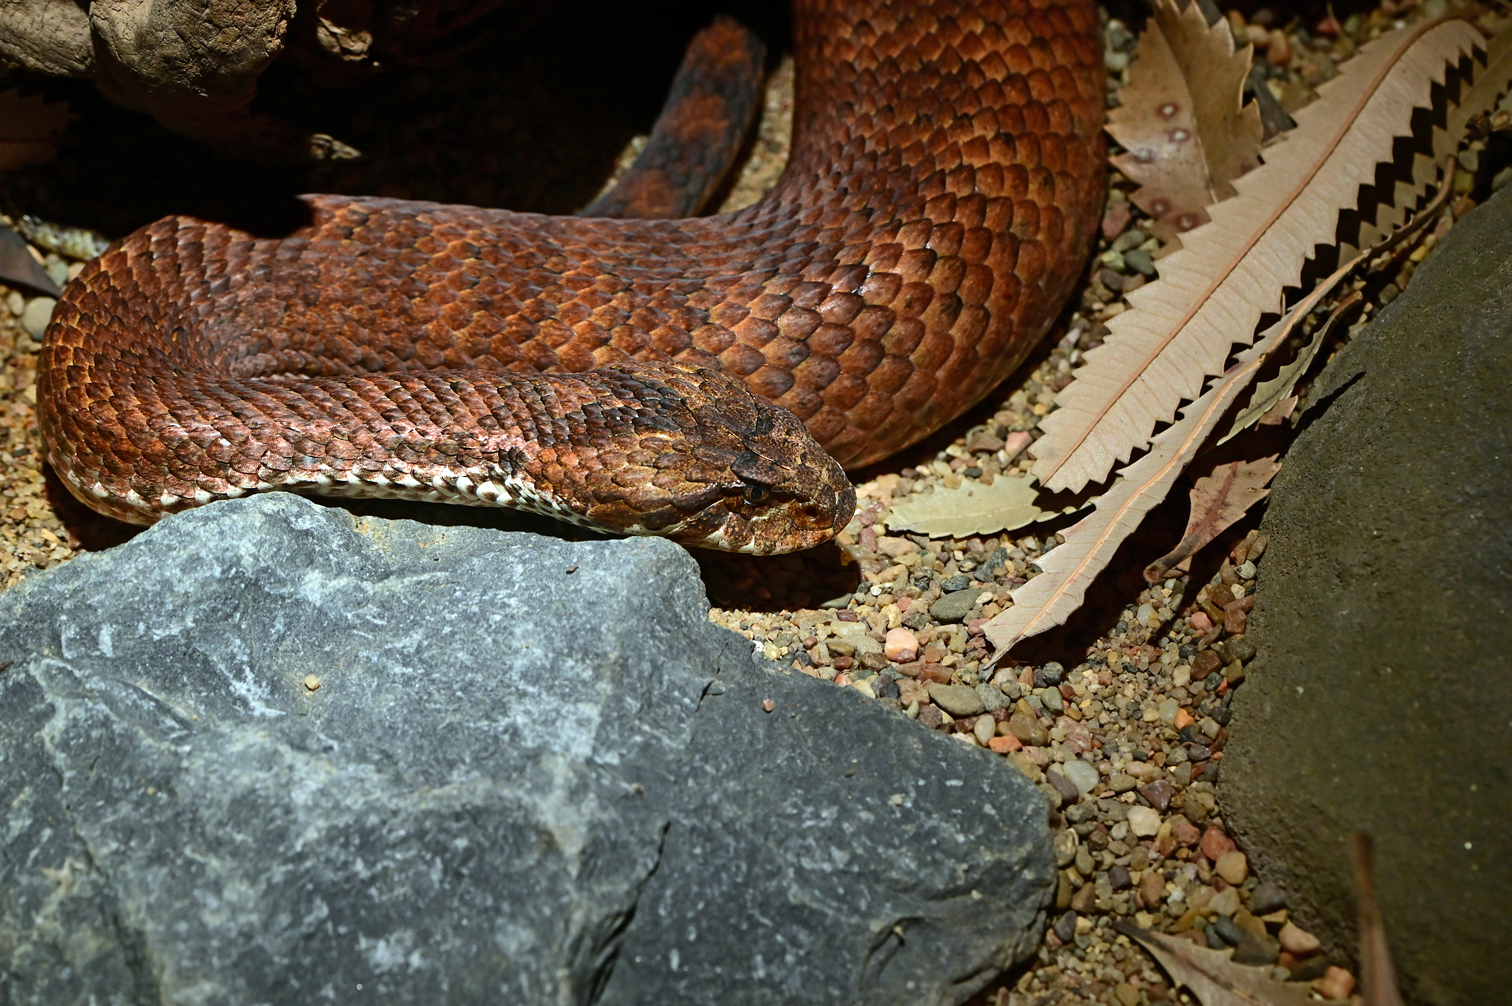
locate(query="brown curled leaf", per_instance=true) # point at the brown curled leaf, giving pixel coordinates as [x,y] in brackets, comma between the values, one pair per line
[1218,500]
[1212,976]
[1182,119]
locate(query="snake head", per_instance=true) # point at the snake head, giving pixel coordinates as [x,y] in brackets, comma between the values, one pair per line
[715,466]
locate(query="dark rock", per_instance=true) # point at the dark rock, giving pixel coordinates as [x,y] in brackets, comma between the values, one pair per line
[1118,877]
[1313,968]
[1240,648]
[991,567]
[269,752]
[1227,929]
[1256,951]
[954,607]
[958,582]
[1065,787]
[1390,565]
[1065,927]
[1050,675]
[1266,898]
[1158,793]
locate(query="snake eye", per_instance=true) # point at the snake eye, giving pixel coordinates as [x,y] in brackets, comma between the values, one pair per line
[756,494]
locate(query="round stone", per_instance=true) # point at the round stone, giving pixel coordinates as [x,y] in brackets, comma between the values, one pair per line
[1144,821]
[1083,776]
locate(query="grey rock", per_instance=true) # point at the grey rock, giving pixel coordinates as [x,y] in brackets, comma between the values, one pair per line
[993,565]
[1051,699]
[992,699]
[1266,898]
[954,607]
[957,700]
[958,582]
[1140,261]
[1383,622]
[508,780]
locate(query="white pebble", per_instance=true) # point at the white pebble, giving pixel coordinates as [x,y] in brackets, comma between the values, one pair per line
[1144,821]
[37,314]
[1081,775]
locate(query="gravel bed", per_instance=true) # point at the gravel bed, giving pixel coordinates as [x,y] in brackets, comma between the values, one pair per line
[1125,741]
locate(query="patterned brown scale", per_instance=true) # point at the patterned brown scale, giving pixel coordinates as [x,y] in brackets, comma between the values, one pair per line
[938,204]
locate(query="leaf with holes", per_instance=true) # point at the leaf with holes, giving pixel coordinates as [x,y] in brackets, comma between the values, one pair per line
[1182,119]
[1213,292]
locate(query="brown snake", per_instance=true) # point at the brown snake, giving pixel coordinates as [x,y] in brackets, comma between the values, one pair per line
[938,205]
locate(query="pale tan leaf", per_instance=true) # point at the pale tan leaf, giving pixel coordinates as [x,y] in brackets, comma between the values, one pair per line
[1269,394]
[1182,119]
[973,508]
[1378,984]
[1213,291]
[1212,976]
[1218,499]
[1069,569]
[29,129]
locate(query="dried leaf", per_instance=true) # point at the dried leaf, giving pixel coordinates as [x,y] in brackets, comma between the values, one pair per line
[19,267]
[1378,984]
[1270,394]
[1182,118]
[1069,569]
[1218,499]
[29,129]
[1213,291]
[971,509]
[1211,976]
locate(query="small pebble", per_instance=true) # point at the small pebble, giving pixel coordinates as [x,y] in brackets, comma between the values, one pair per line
[1119,877]
[1215,843]
[37,314]
[957,700]
[767,705]
[901,646]
[1228,930]
[955,606]
[1232,867]
[1152,888]
[1297,941]
[1083,776]
[1158,793]
[1144,822]
[1139,260]
[1225,902]
[1336,984]
[1026,727]
[1255,951]
[311,682]
[1266,898]
[985,729]
[1068,790]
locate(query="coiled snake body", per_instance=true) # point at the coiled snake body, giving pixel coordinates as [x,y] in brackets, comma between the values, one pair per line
[937,207]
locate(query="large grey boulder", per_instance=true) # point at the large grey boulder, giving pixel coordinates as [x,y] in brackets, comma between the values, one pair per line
[1381,694]
[267,752]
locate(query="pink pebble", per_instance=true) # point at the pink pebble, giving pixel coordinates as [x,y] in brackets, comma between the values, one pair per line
[1337,984]
[900,646]
[1200,621]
